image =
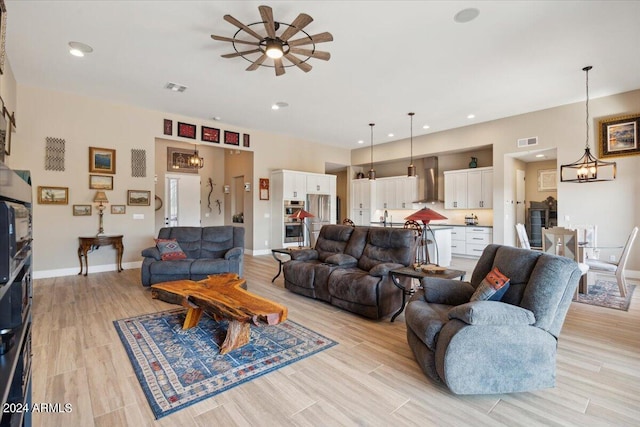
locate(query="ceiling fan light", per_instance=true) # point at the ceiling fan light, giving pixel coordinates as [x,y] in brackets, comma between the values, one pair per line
[274,49]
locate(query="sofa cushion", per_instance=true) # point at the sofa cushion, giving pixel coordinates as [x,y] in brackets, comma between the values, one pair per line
[342,260]
[492,287]
[172,267]
[492,313]
[209,266]
[332,240]
[216,241]
[188,237]
[354,285]
[387,245]
[169,249]
[300,273]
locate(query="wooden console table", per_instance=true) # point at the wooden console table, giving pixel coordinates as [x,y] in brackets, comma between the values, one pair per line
[91,243]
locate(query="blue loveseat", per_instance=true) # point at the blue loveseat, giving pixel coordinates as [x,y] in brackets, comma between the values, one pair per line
[209,250]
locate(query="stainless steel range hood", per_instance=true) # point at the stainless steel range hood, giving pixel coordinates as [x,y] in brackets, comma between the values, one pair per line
[430,181]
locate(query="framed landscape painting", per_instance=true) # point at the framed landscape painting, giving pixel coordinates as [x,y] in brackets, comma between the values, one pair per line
[81,210]
[53,195]
[139,198]
[102,160]
[619,136]
[101,182]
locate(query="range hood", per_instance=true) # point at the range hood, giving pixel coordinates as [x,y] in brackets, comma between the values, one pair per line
[430,180]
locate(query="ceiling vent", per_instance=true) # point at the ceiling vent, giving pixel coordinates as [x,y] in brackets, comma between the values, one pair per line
[527,142]
[175,87]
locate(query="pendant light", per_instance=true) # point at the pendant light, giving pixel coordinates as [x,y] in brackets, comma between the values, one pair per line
[588,168]
[411,170]
[372,173]
[195,161]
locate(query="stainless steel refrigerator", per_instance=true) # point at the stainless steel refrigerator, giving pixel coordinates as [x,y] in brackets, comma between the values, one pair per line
[319,205]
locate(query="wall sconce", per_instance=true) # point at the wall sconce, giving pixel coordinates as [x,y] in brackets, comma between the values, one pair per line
[226,189]
[101,198]
[247,186]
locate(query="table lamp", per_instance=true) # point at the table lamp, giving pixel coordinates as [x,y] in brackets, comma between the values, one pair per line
[425,215]
[301,214]
[101,198]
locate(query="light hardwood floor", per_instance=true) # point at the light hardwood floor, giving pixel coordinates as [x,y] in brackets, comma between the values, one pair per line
[369,378]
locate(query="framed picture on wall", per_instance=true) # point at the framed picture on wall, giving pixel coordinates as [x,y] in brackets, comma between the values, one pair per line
[101,182]
[186,130]
[53,195]
[118,209]
[81,210]
[231,138]
[208,134]
[547,180]
[619,136]
[168,127]
[139,198]
[102,160]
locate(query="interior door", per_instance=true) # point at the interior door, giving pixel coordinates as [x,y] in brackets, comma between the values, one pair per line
[520,201]
[182,193]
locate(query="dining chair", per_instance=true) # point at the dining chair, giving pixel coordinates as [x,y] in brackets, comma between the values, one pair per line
[564,242]
[347,221]
[597,266]
[522,236]
[417,229]
[588,239]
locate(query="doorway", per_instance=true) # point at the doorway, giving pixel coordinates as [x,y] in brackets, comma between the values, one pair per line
[182,196]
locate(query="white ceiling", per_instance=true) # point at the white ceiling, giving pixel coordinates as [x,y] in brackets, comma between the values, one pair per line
[387,58]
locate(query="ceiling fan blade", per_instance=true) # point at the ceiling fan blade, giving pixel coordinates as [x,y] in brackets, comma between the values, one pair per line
[279,66]
[325,56]
[298,63]
[316,38]
[298,24]
[258,62]
[240,25]
[228,39]
[267,16]
[235,54]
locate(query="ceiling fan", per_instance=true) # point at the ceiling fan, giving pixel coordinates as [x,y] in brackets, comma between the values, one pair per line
[276,44]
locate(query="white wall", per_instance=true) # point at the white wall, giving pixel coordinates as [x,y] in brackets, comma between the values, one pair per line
[613,206]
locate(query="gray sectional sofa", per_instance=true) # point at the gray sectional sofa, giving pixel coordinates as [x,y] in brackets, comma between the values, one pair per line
[349,268]
[209,250]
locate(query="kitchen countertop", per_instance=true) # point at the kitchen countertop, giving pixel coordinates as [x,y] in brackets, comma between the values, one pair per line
[439,226]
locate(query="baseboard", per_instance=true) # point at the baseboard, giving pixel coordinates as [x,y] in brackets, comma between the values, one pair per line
[257,252]
[45,274]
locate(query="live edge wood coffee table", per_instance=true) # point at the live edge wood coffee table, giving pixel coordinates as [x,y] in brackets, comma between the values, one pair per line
[222,296]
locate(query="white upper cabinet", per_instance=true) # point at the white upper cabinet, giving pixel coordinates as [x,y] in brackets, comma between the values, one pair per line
[361,194]
[319,184]
[468,189]
[398,192]
[295,186]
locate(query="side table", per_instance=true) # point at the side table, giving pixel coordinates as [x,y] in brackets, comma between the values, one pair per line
[91,243]
[280,251]
[420,274]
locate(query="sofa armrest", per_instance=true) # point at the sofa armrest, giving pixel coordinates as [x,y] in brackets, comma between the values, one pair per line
[493,313]
[383,269]
[342,260]
[304,254]
[233,253]
[446,291]
[152,252]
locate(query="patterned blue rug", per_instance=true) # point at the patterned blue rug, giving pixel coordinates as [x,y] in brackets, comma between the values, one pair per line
[177,368]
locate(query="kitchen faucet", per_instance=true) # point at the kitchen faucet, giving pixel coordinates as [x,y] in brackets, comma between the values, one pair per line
[385,218]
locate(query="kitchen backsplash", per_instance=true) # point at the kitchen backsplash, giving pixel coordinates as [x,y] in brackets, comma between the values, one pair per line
[454,217]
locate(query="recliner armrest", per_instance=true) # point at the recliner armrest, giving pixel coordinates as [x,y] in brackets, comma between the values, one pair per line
[493,313]
[233,253]
[152,252]
[446,291]
[304,254]
[381,270]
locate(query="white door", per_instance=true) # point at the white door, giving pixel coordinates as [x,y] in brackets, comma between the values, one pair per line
[182,193]
[520,202]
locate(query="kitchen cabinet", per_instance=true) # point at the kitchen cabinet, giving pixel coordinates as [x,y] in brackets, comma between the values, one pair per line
[294,185]
[459,241]
[468,189]
[477,238]
[455,190]
[318,184]
[361,192]
[361,217]
[396,192]
[480,189]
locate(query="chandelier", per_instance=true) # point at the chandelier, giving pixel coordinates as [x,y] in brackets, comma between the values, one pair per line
[588,168]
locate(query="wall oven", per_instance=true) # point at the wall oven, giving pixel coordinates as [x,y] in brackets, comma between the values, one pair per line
[291,207]
[292,231]
[292,226]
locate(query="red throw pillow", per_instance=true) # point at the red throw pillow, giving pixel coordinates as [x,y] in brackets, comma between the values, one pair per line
[492,287]
[169,249]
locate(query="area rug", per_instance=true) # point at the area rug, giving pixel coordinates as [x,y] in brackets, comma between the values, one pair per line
[177,368]
[606,293]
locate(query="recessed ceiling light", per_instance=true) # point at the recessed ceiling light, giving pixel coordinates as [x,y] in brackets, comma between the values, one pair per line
[390,135]
[425,127]
[361,142]
[79,49]
[175,87]
[279,105]
[471,116]
[217,118]
[466,15]
[539,155]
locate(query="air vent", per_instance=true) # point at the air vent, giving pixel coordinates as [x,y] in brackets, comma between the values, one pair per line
[175,87]
[528,142]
